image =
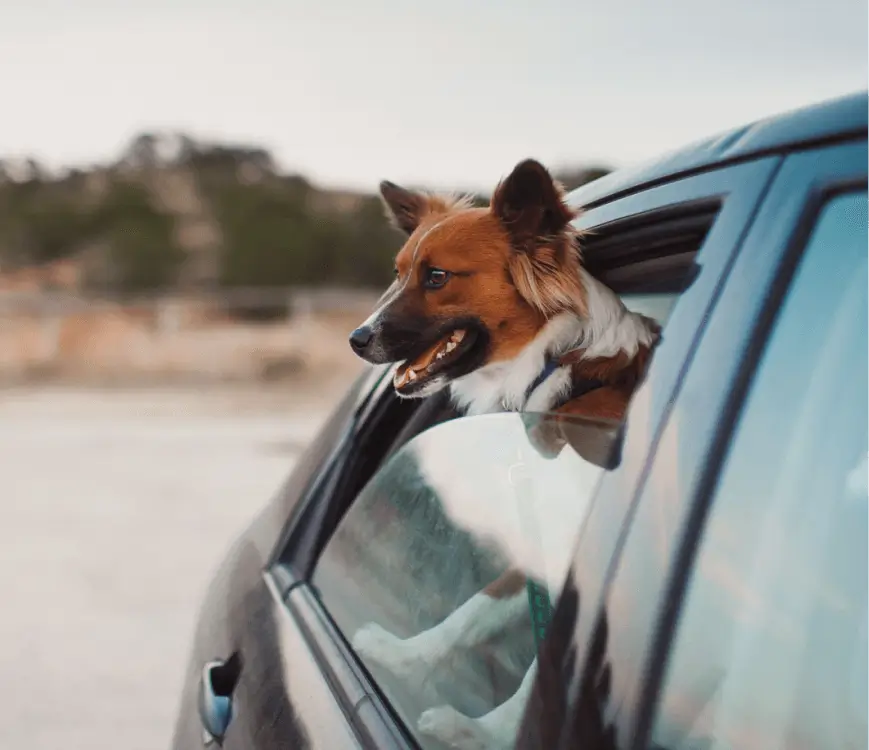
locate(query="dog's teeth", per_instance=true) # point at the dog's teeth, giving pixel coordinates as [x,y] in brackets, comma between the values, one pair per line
[411,374]
[440,355]
[458,336]
[450,347]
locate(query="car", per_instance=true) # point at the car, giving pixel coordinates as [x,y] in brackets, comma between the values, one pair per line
[709,586]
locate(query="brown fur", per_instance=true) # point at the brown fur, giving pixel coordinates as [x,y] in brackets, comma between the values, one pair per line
[514,264]
[545,261]
[620,374]
[506,585]
[406,209]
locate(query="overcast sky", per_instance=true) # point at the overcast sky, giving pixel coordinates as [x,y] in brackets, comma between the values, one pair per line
[447,93]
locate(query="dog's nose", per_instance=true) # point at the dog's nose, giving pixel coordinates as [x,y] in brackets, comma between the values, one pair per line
[361,338]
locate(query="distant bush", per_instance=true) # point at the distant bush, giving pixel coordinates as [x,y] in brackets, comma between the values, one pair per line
[39,222]
[142,253]
[369,246]
[267,236]
[274,230]
[271,237]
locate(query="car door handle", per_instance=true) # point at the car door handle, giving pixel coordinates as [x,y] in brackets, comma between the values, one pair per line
[216,687]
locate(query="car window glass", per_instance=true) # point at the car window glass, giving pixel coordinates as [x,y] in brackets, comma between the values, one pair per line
[443,518]
[770,650]
[655,306]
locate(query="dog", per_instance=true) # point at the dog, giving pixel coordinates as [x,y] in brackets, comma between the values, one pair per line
[493,303]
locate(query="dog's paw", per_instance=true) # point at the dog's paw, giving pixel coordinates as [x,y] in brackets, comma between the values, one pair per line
[377,645]
[546,436]
[454,729]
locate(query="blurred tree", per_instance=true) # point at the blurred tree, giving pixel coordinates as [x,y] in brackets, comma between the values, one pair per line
[142,253]
[33,171]
[142,152]
[366,247]
[39,222]
[268,237]
[269,229]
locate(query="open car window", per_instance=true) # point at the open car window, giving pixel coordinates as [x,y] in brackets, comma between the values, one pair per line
[453,508]
[647,260]
[419,535]
[445,517]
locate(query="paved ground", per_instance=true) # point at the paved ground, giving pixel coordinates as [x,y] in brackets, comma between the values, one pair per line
[115,507]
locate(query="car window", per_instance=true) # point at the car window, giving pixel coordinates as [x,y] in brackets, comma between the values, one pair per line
[445,517]
[408,560]
[770,650]
[655,306]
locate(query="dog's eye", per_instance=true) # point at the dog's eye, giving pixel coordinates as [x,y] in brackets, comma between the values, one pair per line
[395,271]
[436,278]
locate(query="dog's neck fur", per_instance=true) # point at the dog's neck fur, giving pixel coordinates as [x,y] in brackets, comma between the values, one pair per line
[608,330]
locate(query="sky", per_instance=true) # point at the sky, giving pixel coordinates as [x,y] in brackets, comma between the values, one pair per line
[447,94]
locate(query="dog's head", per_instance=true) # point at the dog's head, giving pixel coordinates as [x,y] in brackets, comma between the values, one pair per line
[473,286]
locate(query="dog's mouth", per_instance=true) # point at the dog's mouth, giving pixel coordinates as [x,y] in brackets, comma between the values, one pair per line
[448,352]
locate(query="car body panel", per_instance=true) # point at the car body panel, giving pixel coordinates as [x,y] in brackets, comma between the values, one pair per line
[691,450]
[239,614]
[632,646]
[281,699]
[742,186]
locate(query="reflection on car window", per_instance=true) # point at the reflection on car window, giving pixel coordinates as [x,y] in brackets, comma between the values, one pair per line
[655,306]
[770,652]
[450,514]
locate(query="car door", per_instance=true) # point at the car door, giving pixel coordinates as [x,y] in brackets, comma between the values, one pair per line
[666,249]
[626,660]
[236,691]
[728,198]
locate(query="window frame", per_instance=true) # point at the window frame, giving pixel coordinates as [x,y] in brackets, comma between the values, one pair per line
[738,189]
[708,406]
[770,576]
[313,519]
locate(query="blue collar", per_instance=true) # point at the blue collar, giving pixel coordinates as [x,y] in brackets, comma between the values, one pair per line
[580,387]
[549,367]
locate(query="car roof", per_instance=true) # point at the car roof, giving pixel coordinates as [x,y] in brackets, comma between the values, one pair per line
[827,121]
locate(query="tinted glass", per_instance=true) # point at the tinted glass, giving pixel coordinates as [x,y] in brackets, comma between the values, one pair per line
[770,651]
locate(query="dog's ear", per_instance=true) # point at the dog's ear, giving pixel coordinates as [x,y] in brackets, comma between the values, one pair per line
[545,262]
[530,205]
[404,208]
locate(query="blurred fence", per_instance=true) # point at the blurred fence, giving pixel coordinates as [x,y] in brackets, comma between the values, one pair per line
[239,334]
